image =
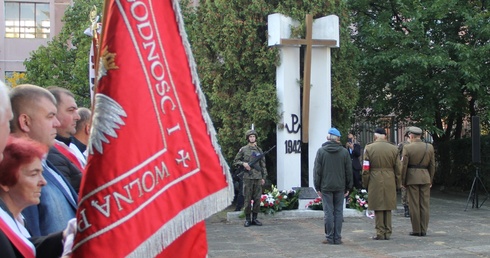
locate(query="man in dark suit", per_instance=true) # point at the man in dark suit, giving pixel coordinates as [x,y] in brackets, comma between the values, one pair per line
[67,160]
[34,110]
[417,176]
[354,149]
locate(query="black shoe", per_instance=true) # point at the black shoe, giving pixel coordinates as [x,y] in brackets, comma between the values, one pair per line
[423,234]
[415,234]
[247,223]
[256,222]
[326,242]
[378,238]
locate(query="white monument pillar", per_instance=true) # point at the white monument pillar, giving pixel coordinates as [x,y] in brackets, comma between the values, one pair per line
[288,92]
[321,87]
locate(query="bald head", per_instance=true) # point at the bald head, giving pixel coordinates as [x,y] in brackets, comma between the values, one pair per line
[85,118]
[5,117]
[83,125]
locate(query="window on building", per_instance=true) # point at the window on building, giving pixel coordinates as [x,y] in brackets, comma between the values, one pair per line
[27,20]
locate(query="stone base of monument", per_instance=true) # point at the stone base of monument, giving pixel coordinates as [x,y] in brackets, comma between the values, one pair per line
[306,195]
[293,214]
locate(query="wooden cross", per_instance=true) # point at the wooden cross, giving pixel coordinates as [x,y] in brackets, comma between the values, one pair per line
[308,42]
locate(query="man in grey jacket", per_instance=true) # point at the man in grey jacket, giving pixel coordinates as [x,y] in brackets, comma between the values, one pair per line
[333,179]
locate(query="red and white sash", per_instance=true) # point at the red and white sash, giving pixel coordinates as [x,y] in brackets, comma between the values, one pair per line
[65,150]
[12,229]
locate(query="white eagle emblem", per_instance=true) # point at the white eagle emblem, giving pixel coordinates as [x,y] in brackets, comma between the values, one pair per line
[107,119]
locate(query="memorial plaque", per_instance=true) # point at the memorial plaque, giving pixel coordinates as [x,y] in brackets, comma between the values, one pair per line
[306,192]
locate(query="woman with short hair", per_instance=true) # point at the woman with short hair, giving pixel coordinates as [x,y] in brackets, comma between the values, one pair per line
[21,181]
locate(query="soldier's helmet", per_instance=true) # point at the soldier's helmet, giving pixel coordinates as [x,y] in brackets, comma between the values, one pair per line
[250,132]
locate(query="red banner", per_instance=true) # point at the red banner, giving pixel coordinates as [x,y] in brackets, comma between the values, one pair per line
[155,170]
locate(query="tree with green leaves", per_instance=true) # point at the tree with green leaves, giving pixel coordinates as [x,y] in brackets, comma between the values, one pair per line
[425,62]
[235,65]
[237,68]
[64,60]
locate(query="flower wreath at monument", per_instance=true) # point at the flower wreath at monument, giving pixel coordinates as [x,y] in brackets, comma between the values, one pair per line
[358,199]
[274,200]
[315,204]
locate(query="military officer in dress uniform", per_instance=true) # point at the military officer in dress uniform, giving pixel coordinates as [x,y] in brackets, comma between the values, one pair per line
[417,175]
[381,176]
[253,176]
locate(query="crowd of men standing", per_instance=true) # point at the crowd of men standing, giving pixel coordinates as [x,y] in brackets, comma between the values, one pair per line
[51,117]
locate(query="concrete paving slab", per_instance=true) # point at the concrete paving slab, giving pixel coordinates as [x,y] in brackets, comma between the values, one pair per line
[452,232]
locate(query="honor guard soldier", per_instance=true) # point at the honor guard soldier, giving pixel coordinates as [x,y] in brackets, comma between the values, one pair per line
[253,176]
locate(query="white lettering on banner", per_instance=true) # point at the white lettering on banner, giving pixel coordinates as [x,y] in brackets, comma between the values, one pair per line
[171,130]
[146,184]
[139,11]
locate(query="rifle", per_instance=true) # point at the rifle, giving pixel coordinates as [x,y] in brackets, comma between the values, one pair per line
[253,163]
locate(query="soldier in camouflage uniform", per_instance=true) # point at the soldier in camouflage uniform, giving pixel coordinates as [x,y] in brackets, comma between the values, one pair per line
[253,177]
[403,190]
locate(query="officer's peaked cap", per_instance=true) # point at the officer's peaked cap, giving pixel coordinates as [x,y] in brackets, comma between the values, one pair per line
[414,130]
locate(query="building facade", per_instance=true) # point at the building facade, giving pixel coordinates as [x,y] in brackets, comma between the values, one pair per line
[24,26]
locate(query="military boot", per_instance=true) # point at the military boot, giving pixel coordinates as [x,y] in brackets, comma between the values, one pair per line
[407,211]
[247,221]
[255,221]
[239,203]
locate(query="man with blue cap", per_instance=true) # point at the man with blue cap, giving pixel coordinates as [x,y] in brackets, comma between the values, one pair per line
[332,174]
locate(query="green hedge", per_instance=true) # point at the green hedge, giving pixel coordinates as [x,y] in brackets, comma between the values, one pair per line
[455,167]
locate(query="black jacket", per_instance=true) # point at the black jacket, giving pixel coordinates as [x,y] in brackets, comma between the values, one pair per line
[354,156]
[65,167]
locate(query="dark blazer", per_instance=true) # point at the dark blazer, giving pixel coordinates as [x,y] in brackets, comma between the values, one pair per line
[65,167]
[354,156]
[55,209]
[47,246]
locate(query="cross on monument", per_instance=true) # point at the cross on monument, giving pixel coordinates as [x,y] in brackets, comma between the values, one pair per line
[308,42]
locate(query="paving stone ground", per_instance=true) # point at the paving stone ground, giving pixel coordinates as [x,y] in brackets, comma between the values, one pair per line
[452,232]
